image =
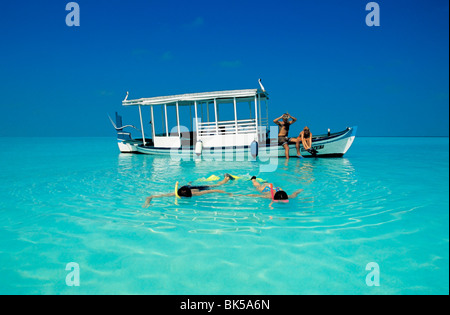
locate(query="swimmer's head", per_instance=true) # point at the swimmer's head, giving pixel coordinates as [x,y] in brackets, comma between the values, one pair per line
[185,192]
[280,195]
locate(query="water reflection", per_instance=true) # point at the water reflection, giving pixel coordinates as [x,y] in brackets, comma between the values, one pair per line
[334,196]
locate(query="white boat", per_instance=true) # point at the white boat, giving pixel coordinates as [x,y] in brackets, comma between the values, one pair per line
[198,127]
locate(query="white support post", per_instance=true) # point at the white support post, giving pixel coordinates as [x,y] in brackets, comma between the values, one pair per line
[260,121]
[196,117]
[178,120]
[190,117]
[235,116]
[215,115]
[259,108]
[162,119]
[142,126]
[256,116]
[167,124]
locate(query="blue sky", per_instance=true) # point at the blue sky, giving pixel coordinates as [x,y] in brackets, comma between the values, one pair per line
[318,60]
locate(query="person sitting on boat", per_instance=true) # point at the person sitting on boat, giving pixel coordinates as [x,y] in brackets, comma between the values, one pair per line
[268,191]
[305,138]
[284,123]
[189,191]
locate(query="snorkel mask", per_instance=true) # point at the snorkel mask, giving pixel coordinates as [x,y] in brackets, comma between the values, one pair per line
[273,195]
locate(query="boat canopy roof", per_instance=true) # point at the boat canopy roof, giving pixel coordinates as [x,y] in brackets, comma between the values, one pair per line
[189,99]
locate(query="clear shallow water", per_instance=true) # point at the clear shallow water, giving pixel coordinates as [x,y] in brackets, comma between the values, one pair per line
[78,200]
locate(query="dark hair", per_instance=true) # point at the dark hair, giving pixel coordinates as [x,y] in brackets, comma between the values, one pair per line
[280,195]
[306,132]
[185,191]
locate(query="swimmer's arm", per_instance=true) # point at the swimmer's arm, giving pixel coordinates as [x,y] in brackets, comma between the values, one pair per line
[255,195]
[295,194]
[212,191]
[149,199]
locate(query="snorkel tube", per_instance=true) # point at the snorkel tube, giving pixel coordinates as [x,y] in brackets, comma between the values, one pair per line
[176,194]
[271,191]
[176,190]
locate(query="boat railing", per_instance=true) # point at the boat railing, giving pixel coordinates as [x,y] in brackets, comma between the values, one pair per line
[264,122]
[231,127]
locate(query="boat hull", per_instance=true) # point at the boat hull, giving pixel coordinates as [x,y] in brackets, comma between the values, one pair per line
[334,145]
[128,146]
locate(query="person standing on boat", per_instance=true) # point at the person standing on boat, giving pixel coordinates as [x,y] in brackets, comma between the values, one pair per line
[284,123]
[305,138]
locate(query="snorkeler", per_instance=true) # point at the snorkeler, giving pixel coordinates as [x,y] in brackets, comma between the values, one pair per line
[269,192]
[189,191]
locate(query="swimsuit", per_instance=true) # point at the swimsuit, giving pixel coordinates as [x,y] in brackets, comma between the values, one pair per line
[267,189]
[282,140]
[200,188]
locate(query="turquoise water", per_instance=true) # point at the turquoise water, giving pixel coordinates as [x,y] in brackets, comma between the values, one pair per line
[78,200]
